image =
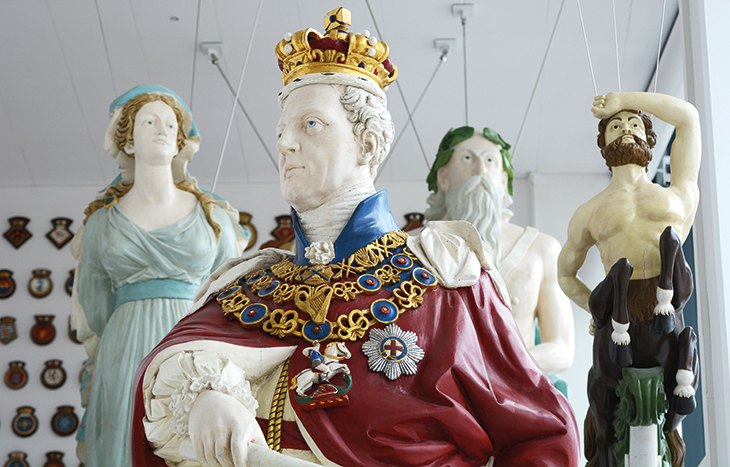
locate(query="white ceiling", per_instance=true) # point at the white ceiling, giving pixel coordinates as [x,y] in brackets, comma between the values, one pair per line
[63,62]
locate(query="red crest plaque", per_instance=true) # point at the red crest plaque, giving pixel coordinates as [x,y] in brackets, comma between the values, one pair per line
[54,459]
[16,377]
[43,332]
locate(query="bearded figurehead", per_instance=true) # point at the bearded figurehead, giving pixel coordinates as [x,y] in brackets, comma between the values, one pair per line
[632,139]
[472,181]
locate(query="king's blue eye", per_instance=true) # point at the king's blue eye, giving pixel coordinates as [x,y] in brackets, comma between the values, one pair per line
[311,124]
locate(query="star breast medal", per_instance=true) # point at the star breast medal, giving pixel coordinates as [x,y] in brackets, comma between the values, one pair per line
[40,284]
[53,375]
[393,351]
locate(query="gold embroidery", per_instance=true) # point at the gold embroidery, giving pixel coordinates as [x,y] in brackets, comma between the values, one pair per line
[317,275]
[314,301]
[234,304]
[286,270]
[281,323]
[276,413]
[408,295]
[311,294]
[388,274]
[346,291]
[354,325]
[260,282]
[284,293]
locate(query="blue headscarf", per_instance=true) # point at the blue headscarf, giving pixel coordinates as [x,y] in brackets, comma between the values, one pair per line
[126,163]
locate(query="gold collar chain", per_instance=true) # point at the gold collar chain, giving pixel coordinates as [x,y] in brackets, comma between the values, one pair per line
[310,290]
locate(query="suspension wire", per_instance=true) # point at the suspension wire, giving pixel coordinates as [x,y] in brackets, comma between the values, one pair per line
[248,117]
[106,47]
[195,56]
[659,49]
[398,86]
[410,120]
[585,39]
[238,92]
[615,40]
[466,91]
[537,80]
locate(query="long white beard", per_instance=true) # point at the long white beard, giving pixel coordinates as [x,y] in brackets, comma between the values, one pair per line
[478,201]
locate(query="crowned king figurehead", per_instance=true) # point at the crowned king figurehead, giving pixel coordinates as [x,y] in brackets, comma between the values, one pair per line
[244,368]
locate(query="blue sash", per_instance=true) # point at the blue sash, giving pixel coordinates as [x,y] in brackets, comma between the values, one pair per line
[155,288]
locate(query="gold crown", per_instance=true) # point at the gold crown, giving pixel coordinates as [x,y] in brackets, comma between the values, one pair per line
[337,51]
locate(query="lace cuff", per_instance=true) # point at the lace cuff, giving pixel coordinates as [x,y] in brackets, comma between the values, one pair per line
[182,399]
[171,392]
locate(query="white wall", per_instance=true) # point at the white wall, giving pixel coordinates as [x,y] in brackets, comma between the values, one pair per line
[40,205]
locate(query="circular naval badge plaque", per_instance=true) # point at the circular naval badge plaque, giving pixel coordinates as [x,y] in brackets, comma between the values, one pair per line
[40,284]
[25,423]
[54,459]
[7,283]
[43,332]
[65,421]
[53,375]
[72,333]
[68,286]
[16,459]
[16,377]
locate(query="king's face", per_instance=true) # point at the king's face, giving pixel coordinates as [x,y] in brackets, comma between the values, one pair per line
[318,151]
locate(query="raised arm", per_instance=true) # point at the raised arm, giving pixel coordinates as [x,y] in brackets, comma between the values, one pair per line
[555,352]
[687,146]
[572,257]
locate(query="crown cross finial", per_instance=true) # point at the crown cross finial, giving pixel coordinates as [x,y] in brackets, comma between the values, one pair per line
[336,23]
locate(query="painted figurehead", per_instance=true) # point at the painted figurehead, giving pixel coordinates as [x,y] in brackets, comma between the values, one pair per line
[335,128]
[471,180]
[626,137]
